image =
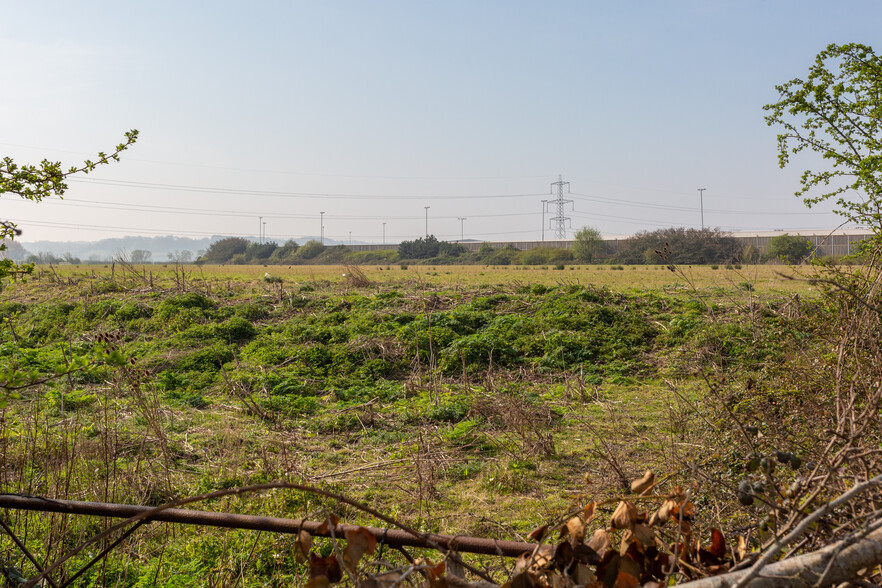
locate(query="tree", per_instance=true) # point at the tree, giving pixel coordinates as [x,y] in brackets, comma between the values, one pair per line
[422,248]
[679,245]
[141,256]
[38,182]
[13,251]
[311,249]
[446,249]
[222,251]
[587,245]
[258,252]
[184,256]
[789,248]
[836,112]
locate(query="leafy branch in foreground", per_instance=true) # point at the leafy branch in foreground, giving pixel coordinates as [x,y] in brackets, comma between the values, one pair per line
[837,113]
[36,182]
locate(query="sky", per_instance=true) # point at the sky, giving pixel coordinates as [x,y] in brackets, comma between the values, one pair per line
[370,112]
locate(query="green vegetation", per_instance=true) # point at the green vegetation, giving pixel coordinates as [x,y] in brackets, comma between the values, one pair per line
[789,248]
[492,394]
[834,112]
[686,246]
[587,245]
[36,183]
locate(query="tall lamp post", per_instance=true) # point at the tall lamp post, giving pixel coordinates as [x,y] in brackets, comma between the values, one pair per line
[384,234]
[322,223]
[427,220]
[701,200]
[259,233]
[544,206]
[462,220]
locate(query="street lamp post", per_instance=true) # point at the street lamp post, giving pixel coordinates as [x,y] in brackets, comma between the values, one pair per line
[384,234]
[322,228]
[462,220]
[701,199]
[427,220]
[350,238]
[544,206]
[259,225]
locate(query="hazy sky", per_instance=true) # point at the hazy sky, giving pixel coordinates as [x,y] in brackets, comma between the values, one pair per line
[371,111]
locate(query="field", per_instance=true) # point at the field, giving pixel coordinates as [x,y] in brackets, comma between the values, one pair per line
[464,400]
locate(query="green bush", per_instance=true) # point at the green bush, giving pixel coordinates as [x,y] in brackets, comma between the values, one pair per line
[236,328]
[310,250]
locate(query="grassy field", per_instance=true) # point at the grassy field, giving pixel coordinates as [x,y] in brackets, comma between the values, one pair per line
[469,400]
[765,278]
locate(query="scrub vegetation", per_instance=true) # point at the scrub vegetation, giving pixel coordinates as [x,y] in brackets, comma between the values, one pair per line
[457,408]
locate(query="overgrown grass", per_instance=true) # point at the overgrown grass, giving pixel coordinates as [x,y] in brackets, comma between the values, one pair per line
[468,402]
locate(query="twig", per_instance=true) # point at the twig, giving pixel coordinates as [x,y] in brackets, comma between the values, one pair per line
[802,527]
[26,551]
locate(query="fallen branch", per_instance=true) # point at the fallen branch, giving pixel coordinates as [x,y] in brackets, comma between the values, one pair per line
[803,526]
[829,566]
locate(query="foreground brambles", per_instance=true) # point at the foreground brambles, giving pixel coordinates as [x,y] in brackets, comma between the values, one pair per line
[452,408]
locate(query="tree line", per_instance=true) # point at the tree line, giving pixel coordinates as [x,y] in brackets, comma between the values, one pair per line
[677,245]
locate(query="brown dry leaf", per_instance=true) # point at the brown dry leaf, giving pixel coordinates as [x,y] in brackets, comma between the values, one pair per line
[583,576]
[687,510]
[588,478]
[600,541]
[741,551]
[685,528]
[436,570]
[665,511]
[626,580]
[522,563]
[563,556]
[585,555]
[576,529]
[718,543]
[543,559]
[640,533]
[629,567]
[522,580]
[325,566]
[330,521]
[624,516]
[384,580]
[538,533]
[302,546]
[359,541]
[318,582]
[643,484]
[589,511]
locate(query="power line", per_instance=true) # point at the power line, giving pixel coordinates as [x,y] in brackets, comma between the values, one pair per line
[681,208]
[280,194]
[284,172]
[240,213]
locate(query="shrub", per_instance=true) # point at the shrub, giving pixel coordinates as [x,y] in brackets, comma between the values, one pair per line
[679,246]
[422,248]
[789,248]
[236,328]
[310,250]
[223,250]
